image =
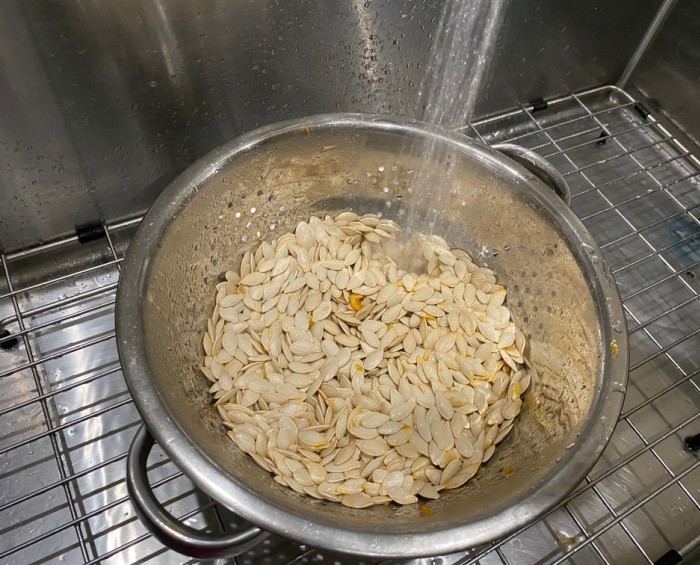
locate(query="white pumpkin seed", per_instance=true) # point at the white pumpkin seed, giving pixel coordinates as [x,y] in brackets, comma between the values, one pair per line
[373,447]
[357,500]
[429,491]
[254,279]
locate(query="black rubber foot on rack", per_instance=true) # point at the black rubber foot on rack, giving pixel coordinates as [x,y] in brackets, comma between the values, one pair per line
[692,443]
[538,104]
[7,343]
[89,232]
[669,558]
[641,110]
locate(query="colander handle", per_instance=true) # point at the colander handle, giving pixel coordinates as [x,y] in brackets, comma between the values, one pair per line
[167,529]
[539,166]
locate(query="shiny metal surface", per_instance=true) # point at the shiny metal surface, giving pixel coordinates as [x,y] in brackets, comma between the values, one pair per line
[668,74]
[540,167]
[105,102]
[641,499]
[167,529]
[646,41]
[565,301]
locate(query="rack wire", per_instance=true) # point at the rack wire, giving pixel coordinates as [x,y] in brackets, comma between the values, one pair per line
[67,418]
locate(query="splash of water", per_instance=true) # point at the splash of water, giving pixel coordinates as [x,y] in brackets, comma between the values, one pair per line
[458,64]
[459,58]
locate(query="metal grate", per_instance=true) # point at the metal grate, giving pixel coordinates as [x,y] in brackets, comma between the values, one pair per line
[67,418]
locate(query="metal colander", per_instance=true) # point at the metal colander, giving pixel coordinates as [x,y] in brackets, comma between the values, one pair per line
[259,186]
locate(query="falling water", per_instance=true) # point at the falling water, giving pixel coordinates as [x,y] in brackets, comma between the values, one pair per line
[458,63]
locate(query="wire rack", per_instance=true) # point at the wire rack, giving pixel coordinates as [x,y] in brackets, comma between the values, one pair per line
[67,418]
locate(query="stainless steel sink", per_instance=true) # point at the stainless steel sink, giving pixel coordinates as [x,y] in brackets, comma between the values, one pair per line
[68,418]
[103,103]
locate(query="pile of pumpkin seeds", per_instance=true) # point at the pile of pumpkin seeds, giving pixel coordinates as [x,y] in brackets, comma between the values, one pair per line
[354,381]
